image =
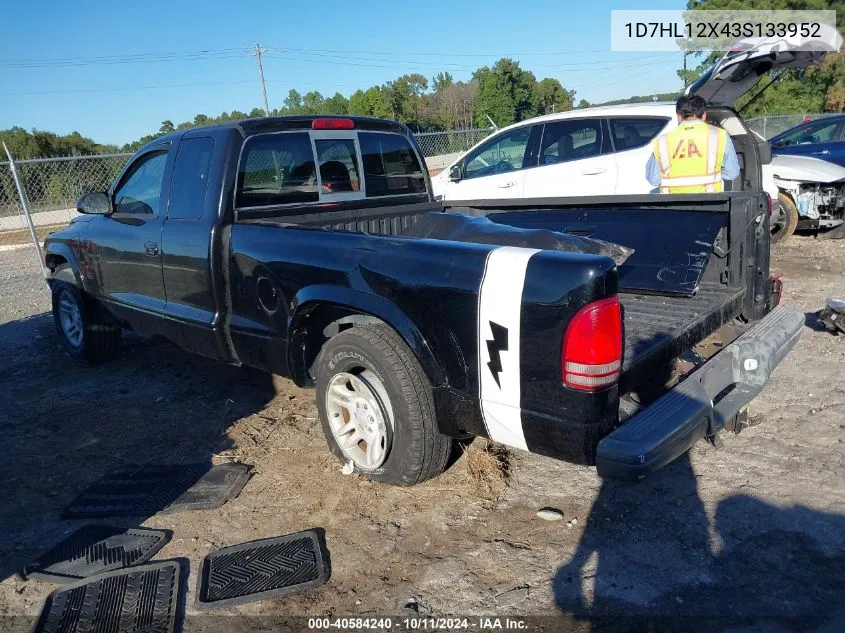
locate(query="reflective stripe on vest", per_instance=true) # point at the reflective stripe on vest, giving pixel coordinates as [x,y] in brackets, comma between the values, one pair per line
[690,158]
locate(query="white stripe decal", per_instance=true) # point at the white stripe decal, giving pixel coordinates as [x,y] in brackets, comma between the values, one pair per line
[499,306]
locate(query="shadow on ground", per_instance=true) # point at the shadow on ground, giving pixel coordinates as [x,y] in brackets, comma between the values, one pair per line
[65,424]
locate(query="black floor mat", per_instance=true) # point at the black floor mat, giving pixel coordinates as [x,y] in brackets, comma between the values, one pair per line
[263,569]
[147,490]
[128,600]
[94,549]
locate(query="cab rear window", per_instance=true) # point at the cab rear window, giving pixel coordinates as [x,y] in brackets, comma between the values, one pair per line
[391,167]
[277,169]
[321,166]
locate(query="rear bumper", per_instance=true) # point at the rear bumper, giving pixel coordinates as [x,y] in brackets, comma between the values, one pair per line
[703,403]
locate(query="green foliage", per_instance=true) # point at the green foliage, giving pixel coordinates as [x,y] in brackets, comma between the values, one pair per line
[505,93]
[36,144]
[549,96]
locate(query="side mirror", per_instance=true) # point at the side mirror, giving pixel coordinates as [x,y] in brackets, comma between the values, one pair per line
[96,203]
[455,173]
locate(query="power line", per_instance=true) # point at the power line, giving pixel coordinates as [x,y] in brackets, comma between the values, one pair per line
[122,88]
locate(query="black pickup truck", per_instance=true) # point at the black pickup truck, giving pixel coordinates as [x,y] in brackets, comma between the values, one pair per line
[289,245]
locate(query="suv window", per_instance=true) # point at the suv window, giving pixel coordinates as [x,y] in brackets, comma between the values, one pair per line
[503,153]
[139,192]
[338,165]
[277,169]
[189,184]
[571,139]
[630,133]
[391,167]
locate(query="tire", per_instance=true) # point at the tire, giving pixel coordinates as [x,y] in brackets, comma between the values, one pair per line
[784,220]
[88,340]
[378,357]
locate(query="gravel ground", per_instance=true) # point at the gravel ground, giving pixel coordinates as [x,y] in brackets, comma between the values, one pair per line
[746,537]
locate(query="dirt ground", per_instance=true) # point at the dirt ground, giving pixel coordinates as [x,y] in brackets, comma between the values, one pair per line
[749,536]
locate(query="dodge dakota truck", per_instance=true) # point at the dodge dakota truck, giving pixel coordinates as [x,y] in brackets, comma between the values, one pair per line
[312,247]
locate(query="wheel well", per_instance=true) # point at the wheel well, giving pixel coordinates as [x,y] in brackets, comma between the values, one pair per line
[53,261]
[316,326]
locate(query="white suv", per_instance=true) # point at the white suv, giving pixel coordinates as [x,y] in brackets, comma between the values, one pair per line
[587,152]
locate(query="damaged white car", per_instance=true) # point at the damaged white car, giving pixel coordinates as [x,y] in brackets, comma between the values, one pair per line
[807,194]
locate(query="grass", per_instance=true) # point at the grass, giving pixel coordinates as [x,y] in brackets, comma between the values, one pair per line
[488,466]
[21,236]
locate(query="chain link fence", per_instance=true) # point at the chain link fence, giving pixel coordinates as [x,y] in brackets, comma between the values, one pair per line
[769,126]
[52,186]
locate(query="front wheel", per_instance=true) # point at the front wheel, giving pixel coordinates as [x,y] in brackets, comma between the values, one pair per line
[377,408]
[81,335]
[784,218]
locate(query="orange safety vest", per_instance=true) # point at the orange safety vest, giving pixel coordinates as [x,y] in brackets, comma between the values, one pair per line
[690,158]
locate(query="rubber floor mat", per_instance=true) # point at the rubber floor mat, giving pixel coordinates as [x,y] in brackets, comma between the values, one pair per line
[131,600]
[268,568]
[148,490]
[94,549]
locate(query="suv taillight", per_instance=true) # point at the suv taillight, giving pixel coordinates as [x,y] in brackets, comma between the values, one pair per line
[591,358]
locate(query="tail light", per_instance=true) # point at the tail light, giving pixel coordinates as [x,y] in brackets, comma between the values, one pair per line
[333,124]
[591,358]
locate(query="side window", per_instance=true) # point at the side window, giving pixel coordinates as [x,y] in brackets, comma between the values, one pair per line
[189,185]
[276,169]
[139,193]
[635,132]
[570,139]
[815,132]
[338,163]
[503,153]
[391,167]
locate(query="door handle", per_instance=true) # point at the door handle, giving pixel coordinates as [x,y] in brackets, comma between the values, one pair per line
[505,185]
[592,171]
[151,248]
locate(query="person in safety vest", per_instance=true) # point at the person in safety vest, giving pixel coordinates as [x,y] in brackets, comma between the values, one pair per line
[694,157]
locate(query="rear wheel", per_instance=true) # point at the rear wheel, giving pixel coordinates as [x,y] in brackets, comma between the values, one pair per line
[784,218]
[82,336]
[377,408]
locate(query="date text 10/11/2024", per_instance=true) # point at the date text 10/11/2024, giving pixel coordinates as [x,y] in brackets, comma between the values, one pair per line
[420,624]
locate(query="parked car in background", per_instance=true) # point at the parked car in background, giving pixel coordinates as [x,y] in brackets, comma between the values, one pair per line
[587,152]
[820,138]
[807,193]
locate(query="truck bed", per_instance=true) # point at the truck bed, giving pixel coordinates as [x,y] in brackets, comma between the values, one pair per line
[661,327]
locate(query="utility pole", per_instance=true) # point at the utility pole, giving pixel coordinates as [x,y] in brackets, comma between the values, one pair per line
[257,54]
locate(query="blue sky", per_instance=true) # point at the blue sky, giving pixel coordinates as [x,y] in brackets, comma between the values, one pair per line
[58,70]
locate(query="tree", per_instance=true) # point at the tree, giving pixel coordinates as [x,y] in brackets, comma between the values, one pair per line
[337,104]
[406,95]
[166,127]
[504,93]
[312,102]
[441,81]
[455,104]
[256,113]
[583,103]
[293,102]
[549,96]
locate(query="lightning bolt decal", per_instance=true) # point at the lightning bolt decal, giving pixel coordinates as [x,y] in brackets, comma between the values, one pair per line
[496,345]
